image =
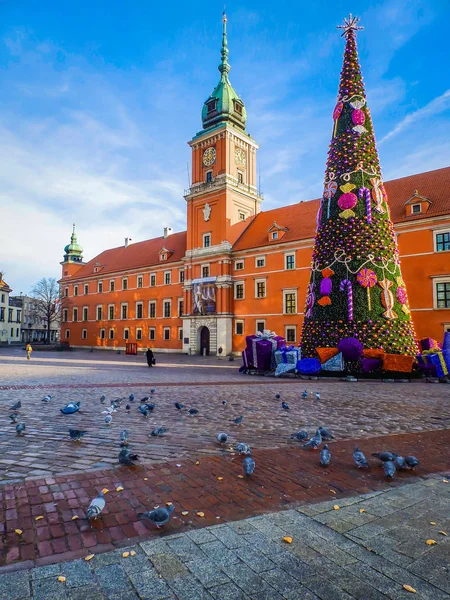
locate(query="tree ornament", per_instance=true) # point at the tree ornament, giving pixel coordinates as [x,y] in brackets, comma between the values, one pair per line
[365,193]
[367,278]
[387,298]
[358,117]
[347,284]
[326,285]
[378,194]
[336,114]
[310,299]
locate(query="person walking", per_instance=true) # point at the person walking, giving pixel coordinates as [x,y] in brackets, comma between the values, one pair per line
[28,350]
[150,358]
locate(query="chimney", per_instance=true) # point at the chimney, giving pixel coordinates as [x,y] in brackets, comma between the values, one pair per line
[167,231]
[127,241]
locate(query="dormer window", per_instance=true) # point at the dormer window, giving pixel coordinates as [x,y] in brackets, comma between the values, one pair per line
[211,106]
[276,232]
[163,257]
[417,204]
[416,208]
[274,235]
[238,107]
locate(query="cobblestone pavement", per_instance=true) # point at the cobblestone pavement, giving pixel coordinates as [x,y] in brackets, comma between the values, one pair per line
[369,549]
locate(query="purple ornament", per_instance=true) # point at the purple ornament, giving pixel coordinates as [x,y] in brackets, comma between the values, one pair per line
[351,348]
[308,366]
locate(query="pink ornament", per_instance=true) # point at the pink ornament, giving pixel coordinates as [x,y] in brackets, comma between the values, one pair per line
[401,295]
[367,278]
[347,201]
[337,110]
[358,117]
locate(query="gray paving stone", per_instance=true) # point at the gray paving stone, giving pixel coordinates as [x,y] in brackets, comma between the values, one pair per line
[86,592]
[286,585]
[47,571]
[249,582]
[220,554]
[78,573]
[257,561]
[188,588]
[296,568]
[149,584]
[207,572]
[229,591]
[154,547]
[14,586]
[112,579]
[260,542]
[168,565]
[325,589]
[201,536]
[229,537]
[49,589]
[242,527]
[185,549]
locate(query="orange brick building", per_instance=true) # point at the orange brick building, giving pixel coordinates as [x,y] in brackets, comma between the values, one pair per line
[238,269]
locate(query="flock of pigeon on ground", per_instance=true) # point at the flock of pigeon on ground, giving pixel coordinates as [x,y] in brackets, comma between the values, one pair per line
[390,461]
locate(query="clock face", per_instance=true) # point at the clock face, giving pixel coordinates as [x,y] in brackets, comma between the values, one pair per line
[240,157]
[209,156]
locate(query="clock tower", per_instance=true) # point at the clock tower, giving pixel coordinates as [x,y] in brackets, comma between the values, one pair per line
[222,199]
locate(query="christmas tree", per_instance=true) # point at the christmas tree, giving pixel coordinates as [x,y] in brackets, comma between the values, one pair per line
[356,288]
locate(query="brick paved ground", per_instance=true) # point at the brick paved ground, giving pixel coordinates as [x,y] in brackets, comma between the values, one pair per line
[367,550]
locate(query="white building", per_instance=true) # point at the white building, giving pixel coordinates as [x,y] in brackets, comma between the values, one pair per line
[10,315]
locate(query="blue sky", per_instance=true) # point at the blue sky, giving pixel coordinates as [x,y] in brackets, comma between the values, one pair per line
[99,99]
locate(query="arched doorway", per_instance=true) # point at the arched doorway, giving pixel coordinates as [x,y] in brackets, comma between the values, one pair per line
[204,341]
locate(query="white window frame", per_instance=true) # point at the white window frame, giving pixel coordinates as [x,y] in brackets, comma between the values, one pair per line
[206,236]
[416,212]
[181,275]
[111,333]
[290,328]
[66,292]
[167,300]
[239,262]
[241,215]
[100,287]
[240,322]
[274,235]
[150,331]
[257,258]
[126,333]
[65,315]
[165,330]
[436,280]
[205,265]
[99,306]
[180,334]
[84,334]
[141,304]
[75,290]
[75,310]
[112,285]
[290,291]
[85,308]
[86,287]
[263,321]
[260,280]
[167,273]
[67,334]
[125,279]
[139,279]
[236,283]
[151,279]
[162,256]
[113,306]
[122,304]
[435,234]
[150,303]
[180,301]
[286,255]
[138,334]
[102,334]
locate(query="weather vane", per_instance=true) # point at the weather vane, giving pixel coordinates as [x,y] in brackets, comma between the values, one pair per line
[350,24]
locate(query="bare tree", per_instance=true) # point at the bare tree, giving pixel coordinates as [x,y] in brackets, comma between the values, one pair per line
[47,305]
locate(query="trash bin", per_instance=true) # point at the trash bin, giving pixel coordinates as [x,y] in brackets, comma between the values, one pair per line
[131,349]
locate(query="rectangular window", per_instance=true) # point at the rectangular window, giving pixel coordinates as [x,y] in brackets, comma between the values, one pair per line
[180,333]
[167,277]
[208,176]
[112,285]
[111,312]
[181,276]
[102,334]
[17,332]
[139,310]
[180,307]
[443,241]
[167,308]
[240,177]
[138,334]
[167,333]
[152,309]
[151,333]
[289,261]
[75,314]
[239,265]
[99,313]
[290,302]
[111,334]
[242,216]
[124,283]
[65,315]
[12,332]
[206,240]
[75,290]
[2,314]
[86,289]
[260,262]
[84,334]
[443,294]
[416,208]
[66,292]
[260,325]
[260,291]
[238,291]
[126,334]
[140,281]
[85,313]
[67,334]
[239,327]
[153,280]
[10,317]
[205,271]
[290,334]
[100,287]
[124,311]
[274,235]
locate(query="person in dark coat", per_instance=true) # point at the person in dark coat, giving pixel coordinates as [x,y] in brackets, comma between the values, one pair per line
[150,357]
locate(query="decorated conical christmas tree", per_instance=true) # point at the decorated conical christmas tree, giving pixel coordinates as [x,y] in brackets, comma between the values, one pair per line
[356,288]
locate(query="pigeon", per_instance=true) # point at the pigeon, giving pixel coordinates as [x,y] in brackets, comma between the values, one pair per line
[193,411]
[238,420]
[389,468]
[248,464]
[301,435]
[285,405]
[277,396]
[96,506]
[317,395]
[304,394]
[102,399]
[400,463]
[47,398]
[13,417]
[131,397]
[325,456]
[76,434]
[359,458]
[70,408]
[159,516]
[127,458]
[127,407]
[384,456]
[326,435]
[144,410]
[124,437]
[224,403]
[20,428]
[314,442]
[109,411]
[242,448]
[108,419]
[16,406]
[152,391]
[178,405]
[411,461]
[222,438]
[150,406]
[158,431]
[145,399]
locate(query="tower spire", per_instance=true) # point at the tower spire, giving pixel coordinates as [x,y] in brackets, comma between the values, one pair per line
[224,67]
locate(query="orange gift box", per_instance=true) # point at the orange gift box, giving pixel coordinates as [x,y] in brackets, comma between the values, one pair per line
[374,353]
[326,353]
[398,362]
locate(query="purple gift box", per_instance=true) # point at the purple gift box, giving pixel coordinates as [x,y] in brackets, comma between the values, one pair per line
[428,344]
[262,347]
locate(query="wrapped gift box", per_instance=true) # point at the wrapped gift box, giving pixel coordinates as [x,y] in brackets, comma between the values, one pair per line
[288,355]
[441,360]
[325,354]
[246,358]
[373,353]
[398,362]
[336,363]
[370,364]
[283,368]
[308,366]
[262,348]
[428,344]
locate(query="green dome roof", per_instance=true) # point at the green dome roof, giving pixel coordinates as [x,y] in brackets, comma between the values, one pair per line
[224,104]
[73,250]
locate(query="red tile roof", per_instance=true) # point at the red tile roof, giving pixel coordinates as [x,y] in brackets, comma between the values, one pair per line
[135,256]
[300,219]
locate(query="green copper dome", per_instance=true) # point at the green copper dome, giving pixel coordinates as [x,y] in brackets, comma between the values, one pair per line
[73,251]
[224,105]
